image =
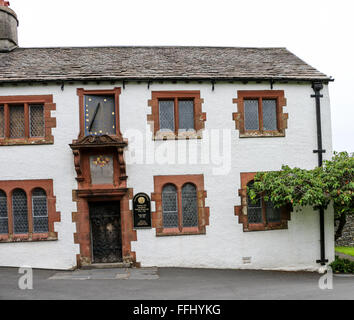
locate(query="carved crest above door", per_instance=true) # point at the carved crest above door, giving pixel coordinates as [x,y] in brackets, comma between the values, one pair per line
[96,158]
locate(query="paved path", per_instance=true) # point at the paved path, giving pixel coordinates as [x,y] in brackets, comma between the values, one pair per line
[173,283]
[344,256]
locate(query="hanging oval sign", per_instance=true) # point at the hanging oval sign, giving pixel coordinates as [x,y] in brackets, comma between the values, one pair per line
[141,211]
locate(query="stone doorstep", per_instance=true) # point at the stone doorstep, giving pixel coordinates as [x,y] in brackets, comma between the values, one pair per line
[106,266]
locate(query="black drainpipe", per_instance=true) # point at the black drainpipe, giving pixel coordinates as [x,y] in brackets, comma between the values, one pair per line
[317,87]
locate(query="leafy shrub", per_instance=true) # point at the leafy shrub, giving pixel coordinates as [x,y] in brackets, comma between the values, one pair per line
[342,265]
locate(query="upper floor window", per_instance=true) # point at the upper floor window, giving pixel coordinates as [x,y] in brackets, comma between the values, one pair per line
[171,110]
[99,112]
[27,210]
[176,114]
[180,203]
[260,113]
[26,120]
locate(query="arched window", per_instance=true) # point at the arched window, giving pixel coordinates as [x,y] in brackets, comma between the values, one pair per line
[169,206]
[4,229]
[19,211]
[261,211]
[189,206]
[39,211]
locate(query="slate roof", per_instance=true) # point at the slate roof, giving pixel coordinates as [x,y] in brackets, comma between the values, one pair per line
[149,63]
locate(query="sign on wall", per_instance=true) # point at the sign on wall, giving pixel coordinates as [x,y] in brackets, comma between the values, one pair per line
[141,211]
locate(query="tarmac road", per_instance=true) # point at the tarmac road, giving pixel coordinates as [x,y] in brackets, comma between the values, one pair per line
[173,284]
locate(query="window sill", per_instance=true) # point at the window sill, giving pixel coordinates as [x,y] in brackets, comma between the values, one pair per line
[254,134]
[262,227]
[183,135]
[176,232]
[29,141]
[27,237]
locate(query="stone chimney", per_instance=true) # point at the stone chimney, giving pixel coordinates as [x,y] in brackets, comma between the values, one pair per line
[8,27]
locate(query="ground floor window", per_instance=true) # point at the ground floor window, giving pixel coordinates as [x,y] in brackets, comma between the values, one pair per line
[180,205]
[259,215]
[27,210]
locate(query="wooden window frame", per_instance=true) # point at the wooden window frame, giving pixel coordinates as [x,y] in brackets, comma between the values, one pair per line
[179,181]
[242,210]
[26,101]
[239,116]
[113,92]
[154,121]
[28,186]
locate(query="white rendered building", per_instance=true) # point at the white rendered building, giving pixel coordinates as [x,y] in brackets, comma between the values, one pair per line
[84,130]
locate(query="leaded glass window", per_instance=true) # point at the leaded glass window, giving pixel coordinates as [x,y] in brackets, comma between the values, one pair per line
[269,107]
[19,211]
[254,209]
[17,121]
[272,214]
[3,213]
[36,120]
[2,122]
[251,114]
[261,208]
[166,115]
[169,206]
[39,210]
[186,114]
[189,206]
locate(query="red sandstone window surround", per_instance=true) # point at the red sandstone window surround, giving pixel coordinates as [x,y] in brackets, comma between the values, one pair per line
[180,205]
[27,211]
[259,216]
[260,113]
[176,114]
[99,109]
[26,120]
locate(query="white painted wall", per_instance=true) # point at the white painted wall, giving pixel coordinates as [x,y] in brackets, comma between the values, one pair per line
[225,243]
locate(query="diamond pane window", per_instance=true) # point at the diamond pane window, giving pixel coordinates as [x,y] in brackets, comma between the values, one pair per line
[272,214]
[169,206]
[186,114]
[251,114]
[166,115]
[189,205]
[254,210]
[2,122]
[3,213]
[269,107]
[19,211]
[17,121]
[36,121]
[39,210]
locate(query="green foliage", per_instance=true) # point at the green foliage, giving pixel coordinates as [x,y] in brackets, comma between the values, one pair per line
[331,183]
[342,265]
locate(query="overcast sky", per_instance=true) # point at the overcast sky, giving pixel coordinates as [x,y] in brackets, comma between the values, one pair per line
[318,31]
